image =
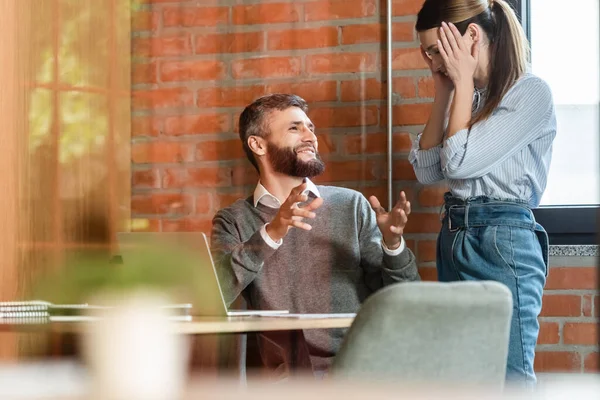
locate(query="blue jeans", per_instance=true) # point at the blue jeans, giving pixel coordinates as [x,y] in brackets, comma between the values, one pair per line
[490,239]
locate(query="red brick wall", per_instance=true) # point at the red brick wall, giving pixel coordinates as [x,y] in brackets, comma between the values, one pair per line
[197,63]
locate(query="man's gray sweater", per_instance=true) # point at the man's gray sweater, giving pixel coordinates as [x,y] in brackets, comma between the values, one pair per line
[332,268]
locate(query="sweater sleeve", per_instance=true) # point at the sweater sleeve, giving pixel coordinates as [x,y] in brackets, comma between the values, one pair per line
[238,263]
[381,269]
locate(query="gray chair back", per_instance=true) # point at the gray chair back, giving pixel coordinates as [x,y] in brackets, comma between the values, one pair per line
[430,332]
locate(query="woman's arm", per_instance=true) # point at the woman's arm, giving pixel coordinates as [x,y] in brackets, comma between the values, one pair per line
[521,118]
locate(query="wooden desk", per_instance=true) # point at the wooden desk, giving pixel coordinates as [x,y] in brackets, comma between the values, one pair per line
[216,344]
[205,325]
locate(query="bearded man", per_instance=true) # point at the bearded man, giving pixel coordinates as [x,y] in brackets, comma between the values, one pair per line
[297,246]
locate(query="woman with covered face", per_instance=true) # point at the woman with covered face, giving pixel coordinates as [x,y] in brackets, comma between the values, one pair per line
[490,137]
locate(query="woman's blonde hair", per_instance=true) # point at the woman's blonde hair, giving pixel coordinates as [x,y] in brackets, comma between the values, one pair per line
[509,47]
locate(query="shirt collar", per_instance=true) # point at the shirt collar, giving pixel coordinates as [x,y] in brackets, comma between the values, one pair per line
[262,195]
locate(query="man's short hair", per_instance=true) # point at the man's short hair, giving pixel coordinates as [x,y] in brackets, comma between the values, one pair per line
[253,120]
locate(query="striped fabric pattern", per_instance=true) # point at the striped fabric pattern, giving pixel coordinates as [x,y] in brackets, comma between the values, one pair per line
[506,156]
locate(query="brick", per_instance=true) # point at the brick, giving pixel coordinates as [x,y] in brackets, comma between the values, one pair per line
[580,333]
[187,177]
[432,196]
[557,361]
[197,124]
[143,20]
[572,278]
[310,91]
[402,141]
[362,90]
[375,143]
[426,250]
[403,170]
[195,16]
[591,362]
[161,152]
[205,70]
[161,204]
[145,225]
[294,39]
[380,192]
[244,175]
[376,33]
[203,204]
[361,170]
[145,179]
[266,67]
[144,73]
[403,7]
[339,9]
[341,62]
[561,305]
[215,150]
[265,13]
[423,223]
[158,1]
[407,58]
[162,46]
[428,274]
[222,43]
[145,126]
[326,144]
[426,87]
[408,114]
[236,96]
[587,305]
[190,224]
[344,116]
[404,87]
[549,333]
[162,98]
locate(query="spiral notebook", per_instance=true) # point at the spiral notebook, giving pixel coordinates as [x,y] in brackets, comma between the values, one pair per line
[39,312]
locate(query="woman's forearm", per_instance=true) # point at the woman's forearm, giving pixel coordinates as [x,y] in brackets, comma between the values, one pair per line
[433,133]
[460,111]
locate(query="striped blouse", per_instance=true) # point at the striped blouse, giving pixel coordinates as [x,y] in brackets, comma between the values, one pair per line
[506,156]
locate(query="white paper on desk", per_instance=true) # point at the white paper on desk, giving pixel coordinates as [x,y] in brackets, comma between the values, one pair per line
[313,316]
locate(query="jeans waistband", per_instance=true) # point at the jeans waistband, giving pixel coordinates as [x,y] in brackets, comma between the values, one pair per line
[486,211]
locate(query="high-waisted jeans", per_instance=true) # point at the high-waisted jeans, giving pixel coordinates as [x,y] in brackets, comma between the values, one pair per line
[491,239]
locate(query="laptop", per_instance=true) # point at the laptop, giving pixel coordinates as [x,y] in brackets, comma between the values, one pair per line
[208,295]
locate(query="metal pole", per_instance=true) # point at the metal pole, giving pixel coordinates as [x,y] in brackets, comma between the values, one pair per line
[389,101]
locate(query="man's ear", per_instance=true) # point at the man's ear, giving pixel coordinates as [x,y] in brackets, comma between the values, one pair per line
[257,145]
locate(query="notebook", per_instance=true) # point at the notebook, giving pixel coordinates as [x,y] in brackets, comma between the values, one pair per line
[210,300]
[37,312]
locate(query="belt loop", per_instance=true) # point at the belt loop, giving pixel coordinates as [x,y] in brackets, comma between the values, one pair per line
[534,222]
[441,213]
[467,215]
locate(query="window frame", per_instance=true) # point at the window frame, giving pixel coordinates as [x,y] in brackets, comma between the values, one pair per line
[567,224]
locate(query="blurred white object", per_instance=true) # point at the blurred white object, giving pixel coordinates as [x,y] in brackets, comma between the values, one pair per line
[132,352]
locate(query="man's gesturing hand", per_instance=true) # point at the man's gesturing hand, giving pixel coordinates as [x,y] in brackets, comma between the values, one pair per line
[392,224]
[290,215]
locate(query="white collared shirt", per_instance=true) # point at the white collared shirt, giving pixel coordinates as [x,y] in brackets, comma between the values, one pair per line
[262,196]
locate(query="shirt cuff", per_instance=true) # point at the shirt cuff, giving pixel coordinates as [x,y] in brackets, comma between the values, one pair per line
[424,158]
[272,244]
[394,252]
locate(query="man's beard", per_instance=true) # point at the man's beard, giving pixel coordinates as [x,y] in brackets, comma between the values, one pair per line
[285,160]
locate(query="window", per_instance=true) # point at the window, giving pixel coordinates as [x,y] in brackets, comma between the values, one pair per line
[565,51]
